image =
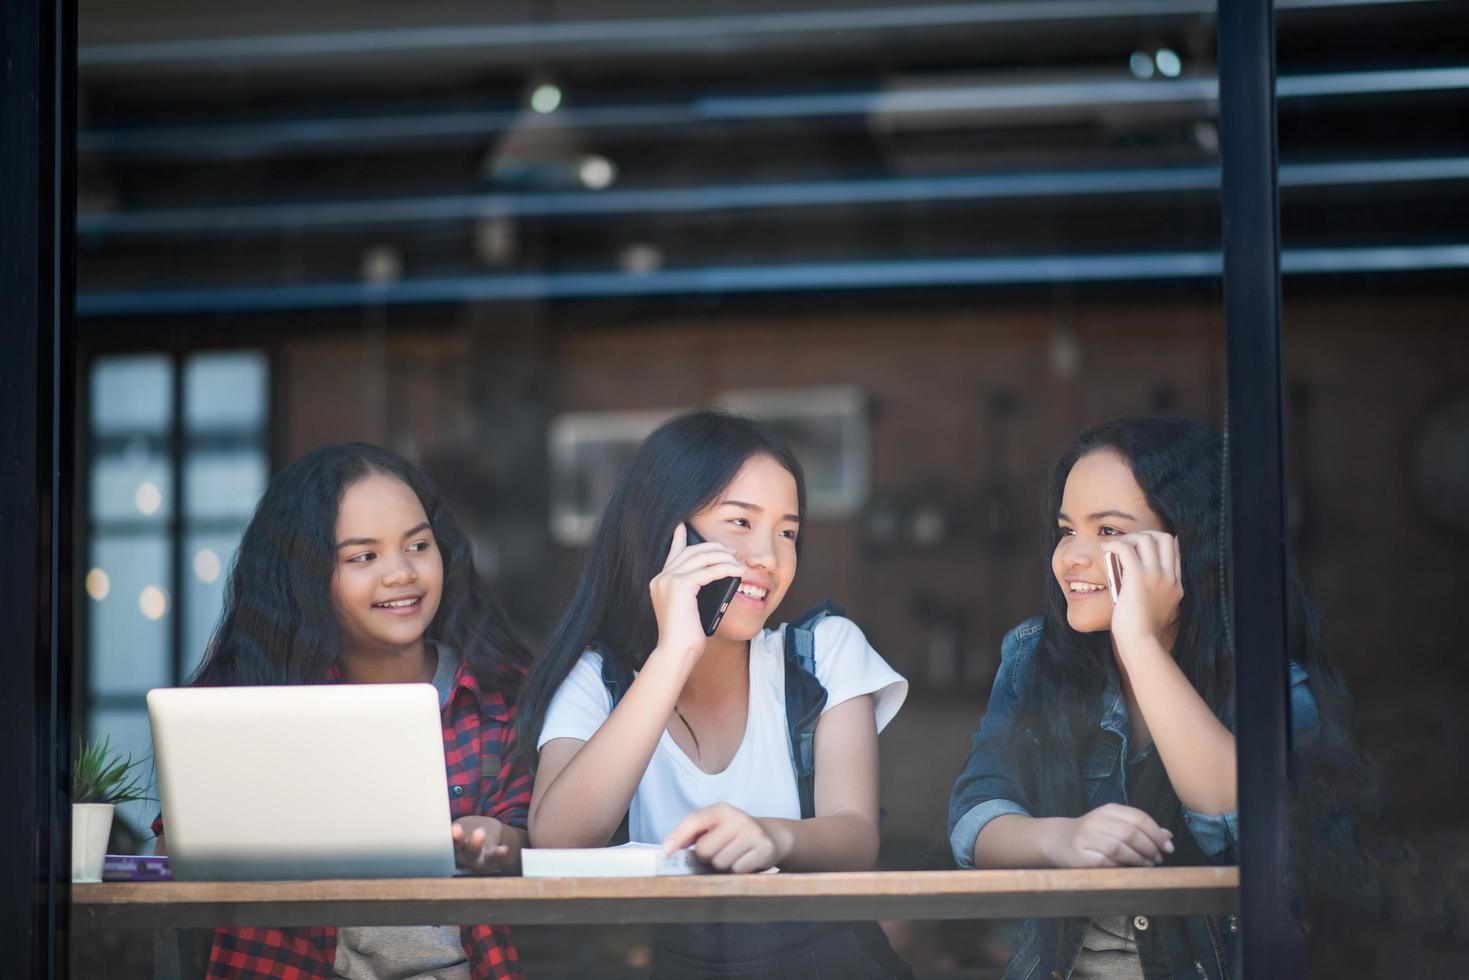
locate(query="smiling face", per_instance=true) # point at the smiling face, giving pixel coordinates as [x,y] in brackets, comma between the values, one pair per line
[758,515]
[389,573]
[1102,499]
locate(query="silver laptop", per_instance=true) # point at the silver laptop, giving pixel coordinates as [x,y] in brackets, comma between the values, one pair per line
[332,781]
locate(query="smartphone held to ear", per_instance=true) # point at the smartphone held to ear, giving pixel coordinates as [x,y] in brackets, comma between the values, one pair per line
[714,598]
[1114,574]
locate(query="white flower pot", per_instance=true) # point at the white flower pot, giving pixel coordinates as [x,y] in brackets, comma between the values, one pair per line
[90,825]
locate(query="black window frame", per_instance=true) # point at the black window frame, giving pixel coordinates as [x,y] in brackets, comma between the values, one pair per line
[37,296]
[1250,209]
[37,288]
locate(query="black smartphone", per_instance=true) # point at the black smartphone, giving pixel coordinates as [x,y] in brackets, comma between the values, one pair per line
[714,598]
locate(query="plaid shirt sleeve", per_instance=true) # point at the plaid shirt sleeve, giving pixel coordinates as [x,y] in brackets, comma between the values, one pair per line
[486,778]
[507,798]
[277,954]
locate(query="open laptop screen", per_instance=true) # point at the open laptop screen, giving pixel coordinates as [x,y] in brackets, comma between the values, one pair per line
[332,781]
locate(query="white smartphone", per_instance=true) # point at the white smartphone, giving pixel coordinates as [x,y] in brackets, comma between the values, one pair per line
[1114,574]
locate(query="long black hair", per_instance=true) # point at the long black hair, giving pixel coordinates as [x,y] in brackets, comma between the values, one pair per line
[1179,465]
[278,625]
[680,469]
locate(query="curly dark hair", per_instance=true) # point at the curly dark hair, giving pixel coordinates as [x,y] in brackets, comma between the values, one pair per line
[278,625]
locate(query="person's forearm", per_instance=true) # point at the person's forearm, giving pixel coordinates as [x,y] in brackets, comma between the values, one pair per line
[585,803]
[1198,752]
[1014,840]
[846,841]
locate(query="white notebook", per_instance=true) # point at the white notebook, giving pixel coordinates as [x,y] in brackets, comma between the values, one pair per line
[631,860]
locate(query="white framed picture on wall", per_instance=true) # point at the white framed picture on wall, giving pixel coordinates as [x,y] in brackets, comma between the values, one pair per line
[588,450]
[827,427]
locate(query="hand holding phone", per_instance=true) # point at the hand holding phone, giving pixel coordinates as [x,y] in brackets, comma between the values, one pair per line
[714,598]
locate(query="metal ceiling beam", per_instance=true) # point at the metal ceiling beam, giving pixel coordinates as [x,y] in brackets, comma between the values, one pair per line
[522,42]
[220,221]
[754,279]
[407,132]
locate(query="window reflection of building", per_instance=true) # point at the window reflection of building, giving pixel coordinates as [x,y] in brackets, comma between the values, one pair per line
[177,457]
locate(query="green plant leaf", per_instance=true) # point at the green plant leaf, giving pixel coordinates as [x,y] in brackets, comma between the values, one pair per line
[102,774]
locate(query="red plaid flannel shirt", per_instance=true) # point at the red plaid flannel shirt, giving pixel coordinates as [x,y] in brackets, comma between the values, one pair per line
[476,724]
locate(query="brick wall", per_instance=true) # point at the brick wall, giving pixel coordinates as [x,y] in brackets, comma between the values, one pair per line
[471,399]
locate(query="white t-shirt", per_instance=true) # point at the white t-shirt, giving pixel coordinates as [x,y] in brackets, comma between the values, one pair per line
[760,779]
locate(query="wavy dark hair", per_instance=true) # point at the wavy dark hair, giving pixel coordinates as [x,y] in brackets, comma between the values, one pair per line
[1179,465]
[278,625]
[680,469]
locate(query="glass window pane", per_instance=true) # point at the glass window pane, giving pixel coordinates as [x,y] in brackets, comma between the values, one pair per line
[927,248]
[132,481]
[227,390]
[207,560]
[131,394]
[1376,429]
[129,606]
[224,483]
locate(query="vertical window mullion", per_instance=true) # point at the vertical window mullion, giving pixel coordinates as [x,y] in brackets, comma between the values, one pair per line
[178,449]
[1271,945]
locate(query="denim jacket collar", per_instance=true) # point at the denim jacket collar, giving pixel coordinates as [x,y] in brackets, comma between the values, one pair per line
[1116,720]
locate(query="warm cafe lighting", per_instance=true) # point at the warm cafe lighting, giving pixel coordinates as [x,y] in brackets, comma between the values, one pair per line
[1169,63]
[153,601]
[98,584]
[206,565]
[148,497]
[545,99]
[597,172]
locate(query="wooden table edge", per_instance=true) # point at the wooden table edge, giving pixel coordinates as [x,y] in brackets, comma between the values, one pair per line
[512,901]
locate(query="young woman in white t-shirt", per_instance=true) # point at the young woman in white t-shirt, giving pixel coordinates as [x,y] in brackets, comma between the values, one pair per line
[697,751]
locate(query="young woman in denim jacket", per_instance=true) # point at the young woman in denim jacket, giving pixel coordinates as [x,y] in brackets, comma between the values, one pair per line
[1108,740]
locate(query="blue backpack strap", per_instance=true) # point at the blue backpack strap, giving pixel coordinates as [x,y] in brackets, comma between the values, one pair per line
[615,676]
[617,679]
[805,699]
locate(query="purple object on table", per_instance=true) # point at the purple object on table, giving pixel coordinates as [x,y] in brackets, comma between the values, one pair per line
[136,867]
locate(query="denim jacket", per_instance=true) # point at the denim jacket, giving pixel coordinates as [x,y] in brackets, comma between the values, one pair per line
[1199,946]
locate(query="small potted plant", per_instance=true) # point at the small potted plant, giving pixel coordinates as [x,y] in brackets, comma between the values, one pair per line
[101,779]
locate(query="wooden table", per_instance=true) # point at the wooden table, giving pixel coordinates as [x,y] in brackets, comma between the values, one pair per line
[705,898]
[169,907]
